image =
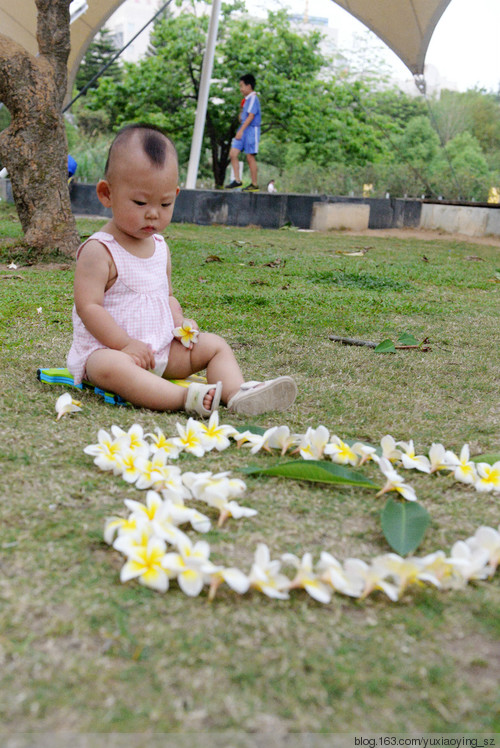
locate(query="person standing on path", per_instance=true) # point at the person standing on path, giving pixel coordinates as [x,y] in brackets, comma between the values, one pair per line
[247,136]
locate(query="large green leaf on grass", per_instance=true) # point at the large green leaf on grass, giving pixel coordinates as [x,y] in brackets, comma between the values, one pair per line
[386,346]
[490,458]
[404,524]
[407,338]
[316,471]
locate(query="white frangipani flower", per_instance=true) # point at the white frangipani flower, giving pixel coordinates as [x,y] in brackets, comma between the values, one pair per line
[404,571]
[118,525]
[282,439]
[145,564]
[177,514]
[191,565]
[464,469]
[311,445]
[369,578]
[215,436]
[130,542]
[395,482]
[189,439]
[487,539]
[488,477]
[127,463]
[470,562]
[365,452]
[132,439]
[306,578]
[66,404]
[411,460]
[389,449]
[440,458]
[147,510]
[208,486]
[341,453]
[105,452]
[265,575]
[160,443]
[186,333]
[234,578]
[332,572]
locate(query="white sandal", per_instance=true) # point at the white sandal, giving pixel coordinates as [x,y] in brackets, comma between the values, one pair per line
[195,396]
[254,398]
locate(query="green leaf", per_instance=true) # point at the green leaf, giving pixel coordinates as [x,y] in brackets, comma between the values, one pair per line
[315,471]
[489,457]
[406,339]
[404,524]
[386,346]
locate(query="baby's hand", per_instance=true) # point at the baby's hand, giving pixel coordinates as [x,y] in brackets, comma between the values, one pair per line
[141,353]
[187,333]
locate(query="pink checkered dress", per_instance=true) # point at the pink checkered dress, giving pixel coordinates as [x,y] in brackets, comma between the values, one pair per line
[138,301]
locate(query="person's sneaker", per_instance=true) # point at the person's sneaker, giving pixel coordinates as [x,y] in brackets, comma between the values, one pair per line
[250,188]
[232,185]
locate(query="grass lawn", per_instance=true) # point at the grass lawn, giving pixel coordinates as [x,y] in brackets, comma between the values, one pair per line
[81,652]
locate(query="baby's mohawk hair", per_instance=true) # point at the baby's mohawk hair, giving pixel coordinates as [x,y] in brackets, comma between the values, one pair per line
[154,140]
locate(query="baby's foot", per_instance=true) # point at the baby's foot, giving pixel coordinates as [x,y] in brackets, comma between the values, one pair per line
[208,399]
[202,399]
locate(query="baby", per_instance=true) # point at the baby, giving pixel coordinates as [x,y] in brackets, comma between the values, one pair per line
[125,313]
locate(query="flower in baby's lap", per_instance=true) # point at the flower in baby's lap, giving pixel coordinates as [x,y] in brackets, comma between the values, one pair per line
[187,334]
[66,404]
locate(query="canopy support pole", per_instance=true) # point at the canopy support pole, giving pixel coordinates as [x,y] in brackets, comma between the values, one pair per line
[201,107]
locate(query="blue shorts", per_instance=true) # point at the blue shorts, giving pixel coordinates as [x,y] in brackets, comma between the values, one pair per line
[249,143]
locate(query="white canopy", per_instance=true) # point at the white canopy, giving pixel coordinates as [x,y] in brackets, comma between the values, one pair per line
[406,26]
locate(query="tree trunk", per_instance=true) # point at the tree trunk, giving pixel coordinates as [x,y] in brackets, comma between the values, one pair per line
[33,148]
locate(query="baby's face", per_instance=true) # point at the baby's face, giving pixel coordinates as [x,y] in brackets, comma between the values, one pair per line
[143,195]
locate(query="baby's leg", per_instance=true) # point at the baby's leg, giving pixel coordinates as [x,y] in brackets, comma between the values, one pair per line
[116,372]
[212,353]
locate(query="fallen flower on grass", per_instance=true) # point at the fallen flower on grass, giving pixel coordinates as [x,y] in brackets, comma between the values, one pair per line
[369,578]
[132,439]
[160,443]
[306,578]
[411,460]
[265,575]
[117,525]
[341,453]
[404,571]
[234,578]
[389,449]
[365,452]
[464,469]
[145,564]
[189,439]
[440,458]
[215,436]
[312,444]
[66,404]
[487,539]
[470,563]
[395,482]
[190,565]
[488,477]
[105,452]
[187,334]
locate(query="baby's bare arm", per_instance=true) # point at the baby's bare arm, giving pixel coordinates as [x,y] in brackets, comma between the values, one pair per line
[92,275]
